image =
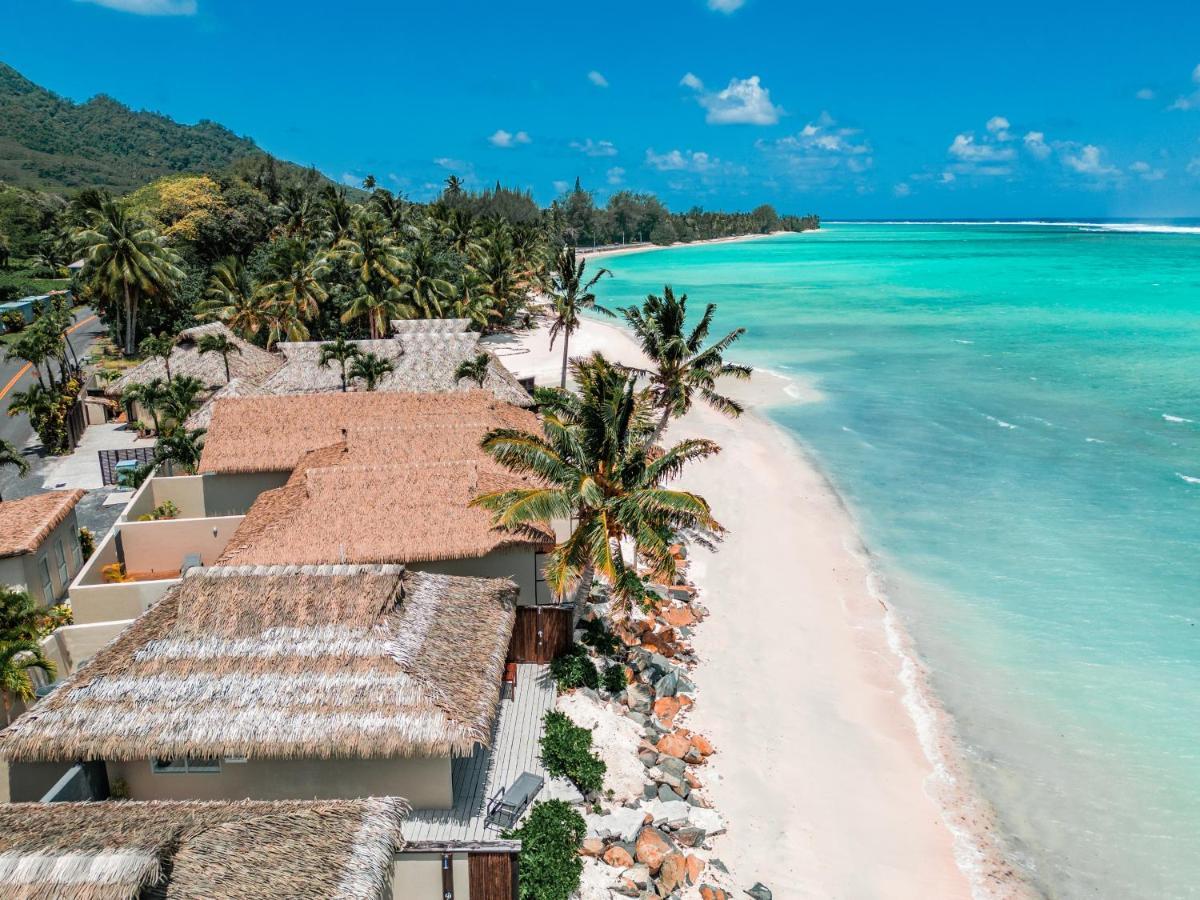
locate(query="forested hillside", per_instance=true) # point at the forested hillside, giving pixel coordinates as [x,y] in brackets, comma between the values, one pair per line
[53,144]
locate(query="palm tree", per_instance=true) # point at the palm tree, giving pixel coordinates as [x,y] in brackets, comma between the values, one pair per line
[20,650]
[370,369]
[230,298]
[32,347]
[182,399]
[297,286]
[284,324]
[683,366]
[219,343]
[373,255]
[475,369]
[499,277]
[593,464]
[37,402]
[181,447]
[160,347]
[341,351]
[11,456]
[294,212]
[151,395]
[128,262]
[571,295]
[5,250]
[423,280]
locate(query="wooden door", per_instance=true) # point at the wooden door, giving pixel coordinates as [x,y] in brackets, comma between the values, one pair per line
[541,633]
[493,876]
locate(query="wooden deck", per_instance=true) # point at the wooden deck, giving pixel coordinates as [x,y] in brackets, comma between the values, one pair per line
[516,748]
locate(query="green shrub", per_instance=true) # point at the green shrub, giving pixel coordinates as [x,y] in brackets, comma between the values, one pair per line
[567,751]
[597,636]
[575,669]
[12,321]
[87,542]
[549,862]
[614,679]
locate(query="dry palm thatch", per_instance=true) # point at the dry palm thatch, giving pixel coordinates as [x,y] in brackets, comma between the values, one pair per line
[186,359]
[424,362]
[238,387]
[402,327]
[26,522]
[176,850]
[287,663]
[271,434]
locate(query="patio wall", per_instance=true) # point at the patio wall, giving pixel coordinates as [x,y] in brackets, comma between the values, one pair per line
[185,491]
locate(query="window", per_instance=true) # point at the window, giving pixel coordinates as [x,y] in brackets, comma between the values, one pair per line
[77,553]
[61,556]
[178,764]
[47,584]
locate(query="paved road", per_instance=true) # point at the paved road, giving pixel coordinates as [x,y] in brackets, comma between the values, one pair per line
[16,376]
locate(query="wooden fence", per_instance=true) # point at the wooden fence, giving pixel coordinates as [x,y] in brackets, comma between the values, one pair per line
[541,633]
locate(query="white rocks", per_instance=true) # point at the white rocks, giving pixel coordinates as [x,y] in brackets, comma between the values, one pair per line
[561,789]
[615,739]
[623,822]
[675,813]
[708,819]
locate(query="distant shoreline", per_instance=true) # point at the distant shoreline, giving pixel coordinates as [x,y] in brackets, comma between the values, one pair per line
[604,252]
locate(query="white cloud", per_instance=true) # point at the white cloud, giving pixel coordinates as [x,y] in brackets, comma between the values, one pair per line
[1035,143]
[820,153]
[149,7]
[1146,94]
[1192,100]
[726,6]
[597,79]
[998,125]
[902,190]
[1147,172]
[562,186]
[965,148]
[351,179]
[1088,160]
[616,175]
[744,102]
[595,148]
[504,138]
[455,165]
[696,162]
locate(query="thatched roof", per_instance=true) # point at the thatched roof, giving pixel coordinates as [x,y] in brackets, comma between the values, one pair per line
[238,387]
[186,359]
[192,850]
[26,522]
[271,434]
[425,362]
[376,514]
[287,662]
[430,326]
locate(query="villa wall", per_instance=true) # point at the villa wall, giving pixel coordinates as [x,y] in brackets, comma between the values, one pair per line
[28,782]
[232,495]
[418,876]
[423,781]
[25,571]
[185,491]
[70,646]
[519,564]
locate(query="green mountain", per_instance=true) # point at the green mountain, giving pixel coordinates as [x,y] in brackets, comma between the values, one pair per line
[49,143]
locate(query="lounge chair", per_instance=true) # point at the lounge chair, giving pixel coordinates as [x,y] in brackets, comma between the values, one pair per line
[507,805]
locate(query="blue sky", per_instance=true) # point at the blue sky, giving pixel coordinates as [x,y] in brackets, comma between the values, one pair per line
[868,109]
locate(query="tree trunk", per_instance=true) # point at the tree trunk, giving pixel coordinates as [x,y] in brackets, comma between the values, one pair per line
[225,356]
[129,322]
[566,343]
[343,376]
[661,426]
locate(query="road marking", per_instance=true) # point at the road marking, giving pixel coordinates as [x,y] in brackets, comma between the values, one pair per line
[12,382]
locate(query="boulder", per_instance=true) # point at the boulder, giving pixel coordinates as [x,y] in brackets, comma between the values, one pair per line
[693,869]
[623,823]
[624,887]
[652,848]
[673,873]
[666,795]
[675,744]
[640,876]
[674,813]
[711,892]
[690,836]
[666,708]
[759,892]
[638,698]
[702,745]
[618,857]
[708,819]
[679,617]
[592,846]
[562,789]
[667,686]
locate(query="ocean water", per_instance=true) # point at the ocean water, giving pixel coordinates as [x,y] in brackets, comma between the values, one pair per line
[1013,414]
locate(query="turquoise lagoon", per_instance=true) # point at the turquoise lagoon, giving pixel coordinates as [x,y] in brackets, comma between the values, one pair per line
[1013,414]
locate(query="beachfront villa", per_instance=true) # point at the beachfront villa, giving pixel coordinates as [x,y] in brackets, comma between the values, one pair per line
[39,544]
[298,683]
[324,478]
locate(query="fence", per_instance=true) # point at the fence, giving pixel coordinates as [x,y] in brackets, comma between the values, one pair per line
[541,633]
[110,458]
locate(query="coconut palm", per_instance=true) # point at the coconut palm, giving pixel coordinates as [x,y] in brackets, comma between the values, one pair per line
[593,464]
[373,255]
[33,347]
[36,402]
[683,367]
[151,395]
[423,281]
[475,368]
[219,343]
[181,447]
[571,294]
[182,399]
[128,263]
[340,351]
[297,285]
[498,277]
[284,324]
[160,347]
[230,298]
[20,651]
[370,369]
[294,212]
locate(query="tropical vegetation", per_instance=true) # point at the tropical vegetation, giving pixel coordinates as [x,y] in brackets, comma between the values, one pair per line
[550,865]
[570,294]
[567,752]
[20,650]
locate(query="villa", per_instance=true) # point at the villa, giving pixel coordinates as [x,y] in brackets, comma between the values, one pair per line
[39,544]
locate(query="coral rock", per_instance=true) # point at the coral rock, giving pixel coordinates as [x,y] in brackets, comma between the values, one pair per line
[618,857]
[652,848]
[592,846]
[702,745]
[675,744]
[693,869]
[673,873]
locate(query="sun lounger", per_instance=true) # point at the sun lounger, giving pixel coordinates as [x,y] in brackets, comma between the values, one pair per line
[507,805]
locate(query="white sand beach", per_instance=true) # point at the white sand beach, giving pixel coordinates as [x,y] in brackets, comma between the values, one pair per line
[819,767]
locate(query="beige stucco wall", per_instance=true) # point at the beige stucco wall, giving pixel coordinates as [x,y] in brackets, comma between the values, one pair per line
[418,876]
[232,495]
[70,646]
[25,570]
[12,571]
[519,564]
[423,781]
[161,546]
[98,603]
[185,491]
